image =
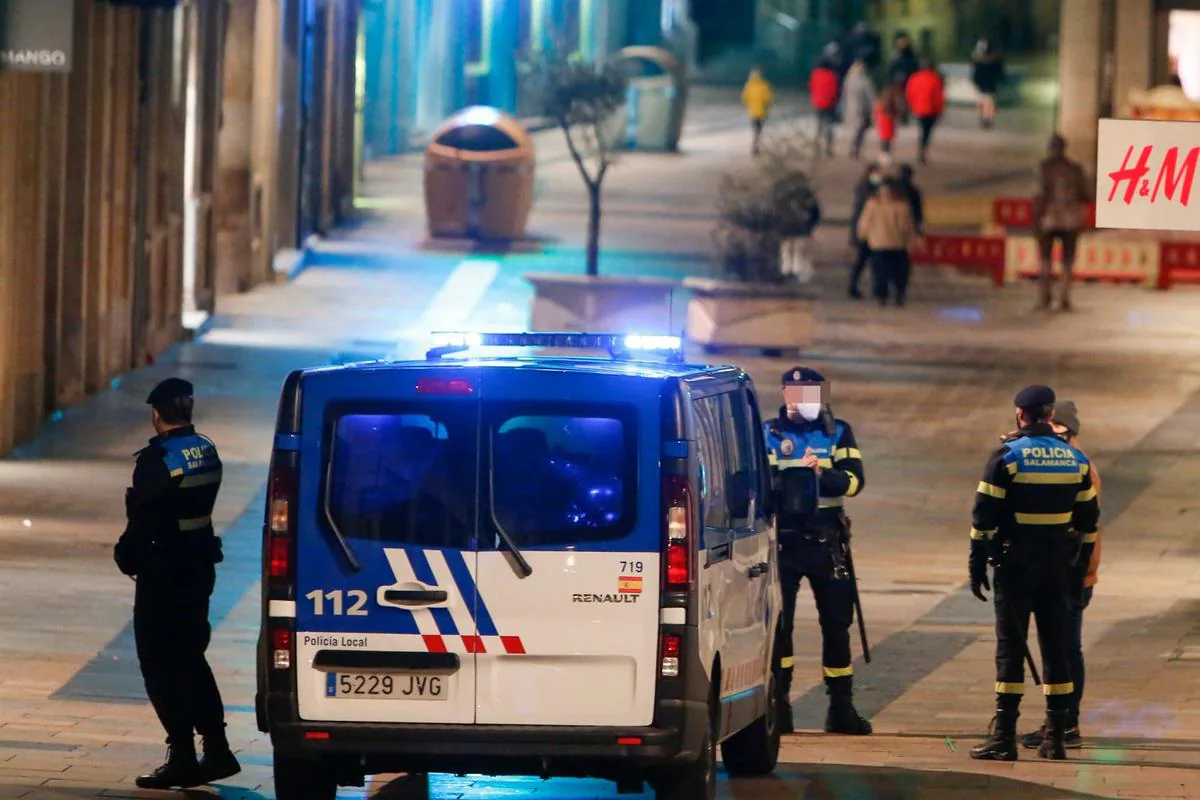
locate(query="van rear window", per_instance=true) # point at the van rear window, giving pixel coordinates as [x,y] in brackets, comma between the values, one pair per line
[550,475]
[563,478]
[406,478]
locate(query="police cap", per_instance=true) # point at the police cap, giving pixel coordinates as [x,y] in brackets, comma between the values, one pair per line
[168,390]
[802,375]
[1032,396]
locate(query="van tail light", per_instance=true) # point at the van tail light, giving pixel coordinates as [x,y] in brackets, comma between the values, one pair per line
[679,536]
[281,647]
[669,667]
[281,521]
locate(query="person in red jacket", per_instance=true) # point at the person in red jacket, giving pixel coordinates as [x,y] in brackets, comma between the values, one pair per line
[926,96]
[889,107]
[824,91]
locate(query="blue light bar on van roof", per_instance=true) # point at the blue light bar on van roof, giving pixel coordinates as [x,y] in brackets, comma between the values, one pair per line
[617,344]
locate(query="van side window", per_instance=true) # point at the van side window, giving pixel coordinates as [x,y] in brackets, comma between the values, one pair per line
[762,483]
[710,438]
[742,471]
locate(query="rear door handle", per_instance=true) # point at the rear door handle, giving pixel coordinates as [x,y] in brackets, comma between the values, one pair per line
[415,597]
[759,569]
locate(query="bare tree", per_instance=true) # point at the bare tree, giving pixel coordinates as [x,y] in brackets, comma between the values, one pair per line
[580,98]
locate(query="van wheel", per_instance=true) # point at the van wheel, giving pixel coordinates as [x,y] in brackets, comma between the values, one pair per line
[755,750]
[697,780]
[303,779]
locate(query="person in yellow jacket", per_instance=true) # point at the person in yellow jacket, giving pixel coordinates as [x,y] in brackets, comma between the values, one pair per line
[757,98]
[1066,425]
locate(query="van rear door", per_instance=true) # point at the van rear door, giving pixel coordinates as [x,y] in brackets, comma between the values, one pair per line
[385,559]
[569,463]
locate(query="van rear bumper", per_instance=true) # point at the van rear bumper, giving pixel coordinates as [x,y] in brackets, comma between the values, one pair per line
[564,751]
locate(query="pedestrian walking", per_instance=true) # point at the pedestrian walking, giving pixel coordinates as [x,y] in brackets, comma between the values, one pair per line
[757,98]
[1066,424]
[864,190]
[926,96]
[1035,521]
[1060,211]
[824,91]
[814,542]
[862,43]
[987,73]
[858,104]
[904,63]
[170,550]
[886,225]
[889,109]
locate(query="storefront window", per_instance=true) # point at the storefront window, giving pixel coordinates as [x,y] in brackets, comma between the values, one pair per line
[1183,47]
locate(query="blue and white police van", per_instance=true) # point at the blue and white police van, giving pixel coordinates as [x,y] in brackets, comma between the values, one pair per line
[516,565]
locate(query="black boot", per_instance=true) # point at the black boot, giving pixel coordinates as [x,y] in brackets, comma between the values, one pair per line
[1053,745]
[179,772]
[218,762]
[843,718]
[1001,744]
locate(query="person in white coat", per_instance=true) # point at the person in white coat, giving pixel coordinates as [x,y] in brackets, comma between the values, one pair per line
[858,103]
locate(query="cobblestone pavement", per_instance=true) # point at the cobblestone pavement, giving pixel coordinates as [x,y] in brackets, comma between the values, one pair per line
[927,388]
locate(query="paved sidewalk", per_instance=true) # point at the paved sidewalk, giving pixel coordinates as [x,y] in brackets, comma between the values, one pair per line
[927,388]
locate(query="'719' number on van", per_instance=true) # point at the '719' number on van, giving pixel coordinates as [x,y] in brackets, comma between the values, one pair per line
[632,566]
[337,601]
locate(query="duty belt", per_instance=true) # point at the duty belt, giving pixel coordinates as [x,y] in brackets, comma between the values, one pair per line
[195,523]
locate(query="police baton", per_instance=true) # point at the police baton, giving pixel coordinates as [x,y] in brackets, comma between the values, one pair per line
[858,612]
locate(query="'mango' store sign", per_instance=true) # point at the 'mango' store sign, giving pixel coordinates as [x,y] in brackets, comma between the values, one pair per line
[36,35]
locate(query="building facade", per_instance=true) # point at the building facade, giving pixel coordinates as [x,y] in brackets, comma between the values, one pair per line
[154,156]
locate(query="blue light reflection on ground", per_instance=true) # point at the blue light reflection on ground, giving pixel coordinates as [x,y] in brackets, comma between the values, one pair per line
[964,314]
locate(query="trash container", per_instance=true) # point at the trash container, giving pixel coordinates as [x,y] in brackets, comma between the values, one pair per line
[479,176]
[657,98]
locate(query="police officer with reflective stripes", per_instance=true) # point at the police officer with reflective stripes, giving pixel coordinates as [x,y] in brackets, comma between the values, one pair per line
[1035,520]
[812,541]
[170,550]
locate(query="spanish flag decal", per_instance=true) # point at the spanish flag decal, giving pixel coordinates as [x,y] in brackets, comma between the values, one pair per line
[628,584]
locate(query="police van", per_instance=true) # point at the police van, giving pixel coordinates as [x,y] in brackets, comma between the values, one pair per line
[519,565]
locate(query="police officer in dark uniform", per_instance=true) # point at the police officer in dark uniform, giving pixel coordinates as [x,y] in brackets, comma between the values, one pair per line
[170,550]
[806,438]
[1035,521]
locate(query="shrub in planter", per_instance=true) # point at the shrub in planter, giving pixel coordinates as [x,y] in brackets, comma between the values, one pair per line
[764,208]
[766,214]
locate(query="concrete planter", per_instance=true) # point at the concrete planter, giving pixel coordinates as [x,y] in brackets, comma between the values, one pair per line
[602,304]
[767,316]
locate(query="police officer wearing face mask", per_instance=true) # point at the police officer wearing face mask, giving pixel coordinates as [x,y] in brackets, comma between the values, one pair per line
[806,436]
[170,549]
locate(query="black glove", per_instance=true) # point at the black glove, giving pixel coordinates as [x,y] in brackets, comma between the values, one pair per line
[978,569]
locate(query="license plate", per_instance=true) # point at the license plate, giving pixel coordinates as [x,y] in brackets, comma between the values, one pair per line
[377,686]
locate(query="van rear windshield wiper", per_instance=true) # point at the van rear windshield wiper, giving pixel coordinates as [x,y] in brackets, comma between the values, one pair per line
[328,507]
[523,566]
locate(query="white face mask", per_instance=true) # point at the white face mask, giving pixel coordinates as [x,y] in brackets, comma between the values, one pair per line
[808,411]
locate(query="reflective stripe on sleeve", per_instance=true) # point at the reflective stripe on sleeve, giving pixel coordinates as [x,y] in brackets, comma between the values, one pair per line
[852,489]
[991,490]
[1086,494]
[1011,467]
[1090,538]
[979,536]
[846,452]
[787,662]
[1043,519]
